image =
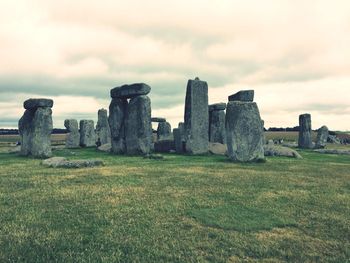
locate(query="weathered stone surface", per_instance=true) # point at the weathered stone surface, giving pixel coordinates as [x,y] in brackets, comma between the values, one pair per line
[35,129]
[163,130]
[138,126]
[274,150]
[87,133]
[333,139]
[217,106]
[178,142]
[244,132]
[105,147]
[103,131]
[73,135]
[130,91]
[322,136]
[181,127]
[305,140]
[217,148]
[243,95]
[217,131]
[61,162]
[197,117]
[33,104]
[153,156]
[116,119]
[290,144]
[333,151]
[164,146]
[158,119]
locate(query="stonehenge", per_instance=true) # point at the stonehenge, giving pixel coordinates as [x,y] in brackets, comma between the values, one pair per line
[73,136]
[217,132]
[322,136]
[130,121]
[305,140]
[87,133]
[196,117]
[244,130]
[35,127]
[163,130]
[103,132]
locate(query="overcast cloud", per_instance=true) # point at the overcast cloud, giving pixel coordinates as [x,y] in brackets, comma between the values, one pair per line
[294,53]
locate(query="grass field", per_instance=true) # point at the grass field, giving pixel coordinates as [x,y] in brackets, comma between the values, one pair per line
[180,209]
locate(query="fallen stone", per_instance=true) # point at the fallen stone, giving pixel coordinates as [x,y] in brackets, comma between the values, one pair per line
[157,119]
[154,156]
[87,133]
[73,136]
[105,147]
[245,135]
[217,148]
[305,141]
[217,106]
[33,104]
[290,144]
[333,151]
[61,162]
[130,91]
[196,117]
[243,95]
[274,150]
[333,139]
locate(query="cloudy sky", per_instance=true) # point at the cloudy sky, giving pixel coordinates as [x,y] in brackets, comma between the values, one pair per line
[295,54]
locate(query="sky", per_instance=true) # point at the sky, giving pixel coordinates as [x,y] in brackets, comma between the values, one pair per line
[295,54]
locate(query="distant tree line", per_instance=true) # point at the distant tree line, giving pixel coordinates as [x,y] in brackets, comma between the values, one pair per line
[15,131]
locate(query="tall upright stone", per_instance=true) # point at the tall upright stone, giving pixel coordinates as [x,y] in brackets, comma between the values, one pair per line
[163,130]
[73,135]
[116,119]
[87,133]
[178,143]
[244,132]
[305,139]
[138,126]
[35,128]
[197,117]
[103,132]
[322,136]
[217,131]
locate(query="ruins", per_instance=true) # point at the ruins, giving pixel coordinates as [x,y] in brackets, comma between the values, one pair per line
[244,130]
[196,117]
[103,132]
[87,133]
[73,135]
[35,127]
[130,121]
[305,140]
[217,132]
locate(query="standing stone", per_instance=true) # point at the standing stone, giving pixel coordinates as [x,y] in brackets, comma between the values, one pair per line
[73,136]
[103,131]
[178,143]
[244,132]
[322,136]
[305,140]
[217,132]
[87,133]
[197,117]
[35,128]
[181,127]
[163,130]
[138,125]
[117,114]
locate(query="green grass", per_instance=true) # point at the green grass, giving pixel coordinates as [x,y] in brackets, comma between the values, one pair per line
[180,209]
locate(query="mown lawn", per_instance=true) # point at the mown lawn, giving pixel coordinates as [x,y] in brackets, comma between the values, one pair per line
[180,209]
